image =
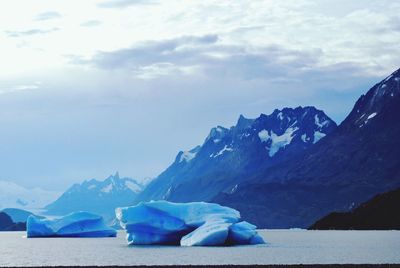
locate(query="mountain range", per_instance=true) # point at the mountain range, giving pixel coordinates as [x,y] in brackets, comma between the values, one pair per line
[286,169]
[229,155]
[97,196]
[358,160]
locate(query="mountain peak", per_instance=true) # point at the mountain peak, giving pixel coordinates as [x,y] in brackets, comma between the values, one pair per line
[98,196]
[373,103]
[216,134]
[243,122]
[187,156]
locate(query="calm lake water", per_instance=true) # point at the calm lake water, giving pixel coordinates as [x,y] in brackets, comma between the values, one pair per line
[284,247]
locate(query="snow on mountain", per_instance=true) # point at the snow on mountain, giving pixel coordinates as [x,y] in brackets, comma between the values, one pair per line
[358,160]
[189,155]
[375,100]
[276,142]
[227,153]
[97,196]
[13,195]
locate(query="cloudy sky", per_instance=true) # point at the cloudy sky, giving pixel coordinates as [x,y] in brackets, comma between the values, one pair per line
[91,87]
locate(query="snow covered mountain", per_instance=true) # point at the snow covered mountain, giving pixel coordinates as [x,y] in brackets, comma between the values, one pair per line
[96,196]
[13,195]
[227,156]
[352,164]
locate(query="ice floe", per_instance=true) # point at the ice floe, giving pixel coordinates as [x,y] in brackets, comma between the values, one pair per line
[77,224]
[185,224]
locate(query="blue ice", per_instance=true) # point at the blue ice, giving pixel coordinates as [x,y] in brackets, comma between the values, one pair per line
[185,224]
[77,224]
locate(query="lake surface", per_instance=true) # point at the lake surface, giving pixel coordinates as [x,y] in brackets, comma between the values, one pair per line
[284,247]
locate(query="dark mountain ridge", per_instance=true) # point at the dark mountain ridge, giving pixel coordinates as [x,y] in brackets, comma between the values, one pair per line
[379,213]
[356,161]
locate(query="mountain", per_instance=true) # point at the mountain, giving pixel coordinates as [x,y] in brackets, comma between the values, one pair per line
[15,196]
[6,223]
[358,160]
[101,197]
[229,155]
[379,213]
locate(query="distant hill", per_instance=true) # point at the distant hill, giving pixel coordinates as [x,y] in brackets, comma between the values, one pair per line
[6,223]
[96,196]
[380,213]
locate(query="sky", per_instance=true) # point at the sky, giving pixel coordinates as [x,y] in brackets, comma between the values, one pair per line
[88,88]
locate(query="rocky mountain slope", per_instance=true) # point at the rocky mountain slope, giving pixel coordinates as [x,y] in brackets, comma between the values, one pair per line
[229,155]
[352,164]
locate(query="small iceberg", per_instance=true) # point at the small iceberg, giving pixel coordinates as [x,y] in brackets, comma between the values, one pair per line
[77,224]
[185,224]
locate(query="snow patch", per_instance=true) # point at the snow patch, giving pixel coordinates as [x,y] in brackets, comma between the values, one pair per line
[277,141]
[233,190]
[91,187]
[187,156]
[304,137]
[222,151]
[318,135]
[107,188]
[371,116]
[168,193]
[264,135]
[319,123]
[134,187]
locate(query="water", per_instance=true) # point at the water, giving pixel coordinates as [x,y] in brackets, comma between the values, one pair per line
[284,247]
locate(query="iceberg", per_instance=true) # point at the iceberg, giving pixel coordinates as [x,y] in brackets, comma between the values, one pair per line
[77,224]
[185,224]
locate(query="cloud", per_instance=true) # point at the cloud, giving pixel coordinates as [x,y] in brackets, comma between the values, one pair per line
[204,55]
[91,23]
[30,32]
[181,52]
[124,3]
[18,88]
[49,15]
[208,61]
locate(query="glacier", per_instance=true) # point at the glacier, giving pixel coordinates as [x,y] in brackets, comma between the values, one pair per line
[76,224]
[186,224]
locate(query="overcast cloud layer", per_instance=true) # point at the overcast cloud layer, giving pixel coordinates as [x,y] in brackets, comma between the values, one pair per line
[91,87]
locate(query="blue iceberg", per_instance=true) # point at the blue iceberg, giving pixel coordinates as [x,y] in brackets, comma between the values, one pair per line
[77,224]
[185,224]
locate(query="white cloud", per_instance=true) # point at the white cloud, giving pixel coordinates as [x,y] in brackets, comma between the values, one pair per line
[48,15]
[124,3]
